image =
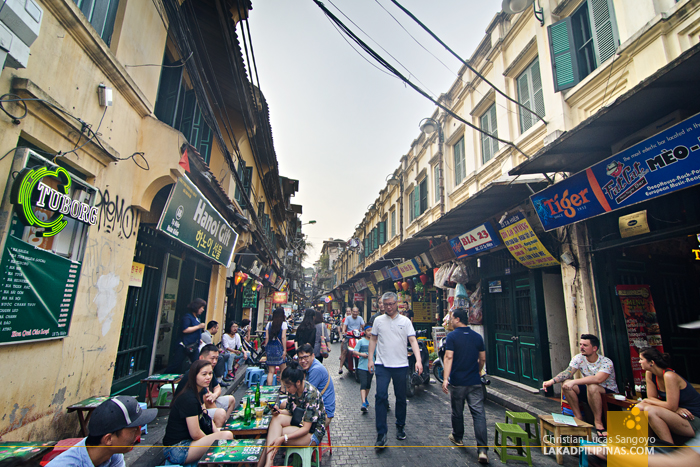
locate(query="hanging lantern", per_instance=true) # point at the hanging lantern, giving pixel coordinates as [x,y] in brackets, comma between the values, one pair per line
[246,282]
[397,285]
[423,279]
[405,286]
[410,283]
[245,276]
[238,278]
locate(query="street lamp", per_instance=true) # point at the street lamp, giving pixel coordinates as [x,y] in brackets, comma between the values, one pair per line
[310,222]
[430,126]
[513,7]
[391,179]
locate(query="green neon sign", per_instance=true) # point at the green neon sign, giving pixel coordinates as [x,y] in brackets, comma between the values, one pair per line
[28,192]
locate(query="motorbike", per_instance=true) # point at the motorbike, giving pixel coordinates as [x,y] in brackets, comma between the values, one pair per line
[351,361]
[438,367]
[413,378]
[335,333]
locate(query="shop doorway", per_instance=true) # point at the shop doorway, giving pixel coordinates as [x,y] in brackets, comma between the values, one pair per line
[510,316]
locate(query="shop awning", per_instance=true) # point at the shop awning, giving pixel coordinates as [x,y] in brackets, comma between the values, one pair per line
[380,263]
[673,87]
[409,249]
[495,199]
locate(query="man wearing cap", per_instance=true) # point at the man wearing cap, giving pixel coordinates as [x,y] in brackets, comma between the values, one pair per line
[219,407]
[114,427]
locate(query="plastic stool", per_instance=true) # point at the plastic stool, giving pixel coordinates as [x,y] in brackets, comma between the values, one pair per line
[144,429]
[253,376]
[515,433]
[59,448]
[326,447]
[306,454]
[527,419]
[165,395]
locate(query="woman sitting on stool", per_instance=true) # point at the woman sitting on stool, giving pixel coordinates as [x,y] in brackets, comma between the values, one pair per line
[306,402]
[185,442]
[673,405]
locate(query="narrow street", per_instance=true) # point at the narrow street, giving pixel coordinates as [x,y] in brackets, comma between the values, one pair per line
[427,426]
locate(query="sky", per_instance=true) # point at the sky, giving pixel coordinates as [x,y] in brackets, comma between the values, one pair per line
[339,124]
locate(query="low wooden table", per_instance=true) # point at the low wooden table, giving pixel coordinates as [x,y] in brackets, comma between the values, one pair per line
[234,452]
[609,399]
[557,430]
[156,381]
[26,450]
[85,409]
[256,428]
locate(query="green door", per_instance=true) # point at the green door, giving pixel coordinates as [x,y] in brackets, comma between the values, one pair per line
[509,310]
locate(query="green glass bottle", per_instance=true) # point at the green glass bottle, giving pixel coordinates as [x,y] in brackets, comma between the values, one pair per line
[247,413]
[257,395]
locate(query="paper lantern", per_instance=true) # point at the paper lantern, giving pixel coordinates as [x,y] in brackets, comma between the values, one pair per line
[405,286]
[423,279]
[254,287]
[238,278]
[410,283]
[397,285]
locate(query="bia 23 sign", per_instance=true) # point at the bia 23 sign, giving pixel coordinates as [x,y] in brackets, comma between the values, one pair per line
[29,192]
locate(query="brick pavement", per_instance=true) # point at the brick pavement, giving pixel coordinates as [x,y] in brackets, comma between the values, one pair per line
[427,426]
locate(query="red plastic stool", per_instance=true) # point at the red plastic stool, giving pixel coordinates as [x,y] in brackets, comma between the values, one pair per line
[59,448]
[329,446]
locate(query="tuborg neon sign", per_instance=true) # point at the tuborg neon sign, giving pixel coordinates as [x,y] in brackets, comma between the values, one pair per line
[29,191]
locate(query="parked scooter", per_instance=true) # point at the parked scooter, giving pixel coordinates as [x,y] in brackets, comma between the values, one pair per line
[351,361]
[413,378]
[438,367]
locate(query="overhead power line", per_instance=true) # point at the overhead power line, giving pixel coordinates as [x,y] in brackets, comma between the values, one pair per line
[393,70]
[427,29]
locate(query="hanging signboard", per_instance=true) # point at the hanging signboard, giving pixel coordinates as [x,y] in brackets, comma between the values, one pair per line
[37,295]
[662,164]
[378,276]
[371,288]
[523,244]
[250,298]
[395,274]
[475,241]
[278,283]
[360,285]
[423,312]
[346,296]
[642,325]
[189,217]
[136,276]
[358,297]
[409,268]
[442,253]
[279,297]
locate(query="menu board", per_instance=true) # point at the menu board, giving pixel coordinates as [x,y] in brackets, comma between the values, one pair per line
[234,451]
[250,298]
[37,293]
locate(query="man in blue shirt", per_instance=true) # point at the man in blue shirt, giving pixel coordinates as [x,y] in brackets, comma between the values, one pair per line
[114,426]
[317,375]
[465,357]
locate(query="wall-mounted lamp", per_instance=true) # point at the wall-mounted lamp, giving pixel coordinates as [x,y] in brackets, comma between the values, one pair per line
[391,179]
[430,126]
[513,7]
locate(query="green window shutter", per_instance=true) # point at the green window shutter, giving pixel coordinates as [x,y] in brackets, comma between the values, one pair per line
[241,173]
[563,54]
[524,98]
[460,171]
[424,195]
[416,201]
[494,130]
[537,88]
[248,180]
[411,212]
[603,24]
[375,239]
[382,232]
[393,223]
[366,244]
[489,146]
[436,182]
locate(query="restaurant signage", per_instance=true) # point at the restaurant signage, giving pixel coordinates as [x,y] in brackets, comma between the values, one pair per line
[662,164]
[395,274]
[379,276]
[371,288]
[409,268]
[360,285]
[358,297]
[48,190]
[250,298]
[475,241]
[523,244]
[189,217]
[279,297]
[37,295]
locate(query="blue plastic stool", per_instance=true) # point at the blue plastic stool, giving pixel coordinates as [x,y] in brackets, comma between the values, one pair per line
[144,429]
[254,376]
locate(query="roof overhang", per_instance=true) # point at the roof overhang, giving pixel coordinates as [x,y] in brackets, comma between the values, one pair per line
[496,198]
[673,87]
[409,249]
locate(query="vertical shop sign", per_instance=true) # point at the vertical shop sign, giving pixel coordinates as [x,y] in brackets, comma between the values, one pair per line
[37,293]
[346,297]
[641,321]
[371,288]
[523,244]
[395,274]
[136,276]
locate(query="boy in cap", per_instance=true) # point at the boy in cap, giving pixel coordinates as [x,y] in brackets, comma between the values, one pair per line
[362,352]
[114,427]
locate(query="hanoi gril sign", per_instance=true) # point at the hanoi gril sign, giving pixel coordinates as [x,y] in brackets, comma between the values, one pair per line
[189,217]
[662,164]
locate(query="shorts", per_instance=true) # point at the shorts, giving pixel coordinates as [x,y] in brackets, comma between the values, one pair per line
[365,379]
[695,424]
[222,402]
[314,441]
[177,454]
[583,393]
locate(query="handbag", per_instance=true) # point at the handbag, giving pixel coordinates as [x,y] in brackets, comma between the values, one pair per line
[205,423]
[324,347]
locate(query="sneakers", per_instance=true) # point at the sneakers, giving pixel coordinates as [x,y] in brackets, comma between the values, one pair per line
[340,372]
[232,374]
[363,407]
[224,384]
[483,457]
[400,433]
[381,442]
[455,441]
[227,378]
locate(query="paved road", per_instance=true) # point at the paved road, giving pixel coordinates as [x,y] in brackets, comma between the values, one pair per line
[427,426]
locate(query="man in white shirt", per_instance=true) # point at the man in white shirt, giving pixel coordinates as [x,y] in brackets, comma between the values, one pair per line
[390,334]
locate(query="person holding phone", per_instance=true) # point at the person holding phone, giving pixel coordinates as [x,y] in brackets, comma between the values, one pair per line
[302,422]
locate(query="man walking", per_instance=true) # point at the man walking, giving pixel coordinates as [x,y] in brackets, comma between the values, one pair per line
[389,337]
[465,357]
[343,342]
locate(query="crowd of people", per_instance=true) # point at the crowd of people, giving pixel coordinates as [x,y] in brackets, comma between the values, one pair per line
[199,410]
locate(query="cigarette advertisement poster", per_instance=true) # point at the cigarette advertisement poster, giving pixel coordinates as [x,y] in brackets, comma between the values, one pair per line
[523,244]
[642,325]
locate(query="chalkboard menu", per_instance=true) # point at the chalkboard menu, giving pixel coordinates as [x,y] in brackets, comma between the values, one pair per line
[37,293]
[250,298]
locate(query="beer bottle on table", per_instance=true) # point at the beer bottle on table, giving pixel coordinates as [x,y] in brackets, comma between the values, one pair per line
[257,395]
[247,412]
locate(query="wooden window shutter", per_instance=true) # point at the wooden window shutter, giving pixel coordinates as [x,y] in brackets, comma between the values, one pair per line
[563,54]
[603,24]
[524,98]
[494,130]
[382,232]
[416,201]
[537,88]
